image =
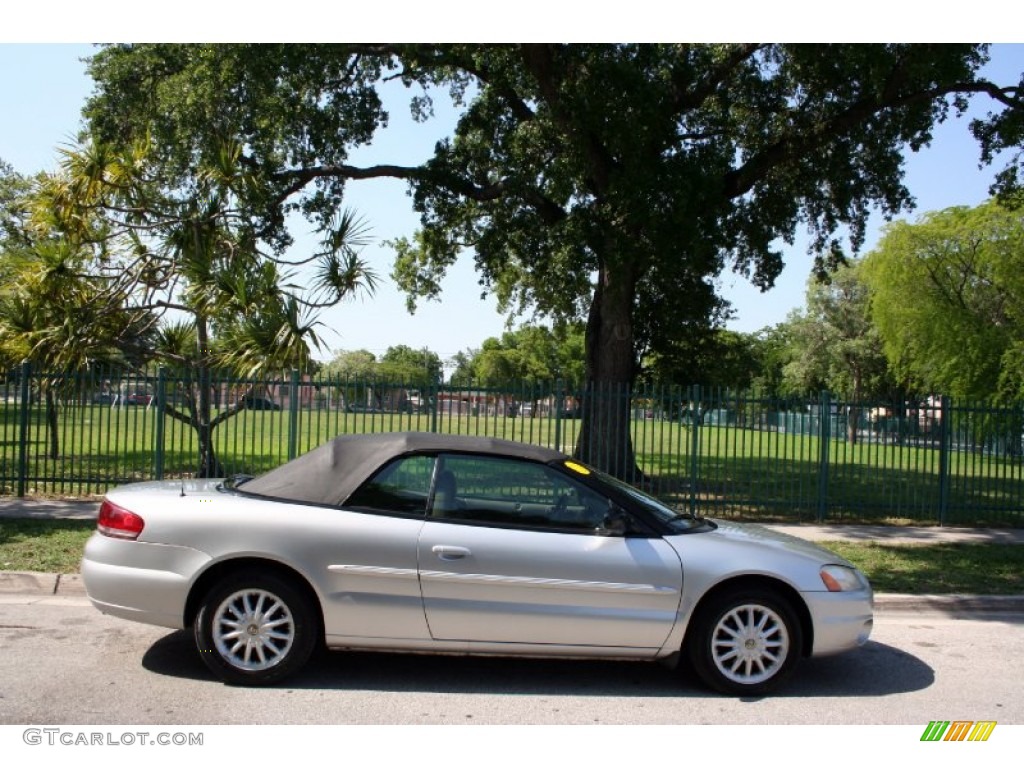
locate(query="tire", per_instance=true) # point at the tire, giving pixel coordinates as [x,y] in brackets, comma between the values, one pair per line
[255,629]
[745,642]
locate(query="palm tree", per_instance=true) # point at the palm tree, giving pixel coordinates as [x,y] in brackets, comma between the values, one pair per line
[53,314]
[187,254]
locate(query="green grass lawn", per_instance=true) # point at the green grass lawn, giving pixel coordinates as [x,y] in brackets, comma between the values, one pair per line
[982,569]
[55,546]
[49,546]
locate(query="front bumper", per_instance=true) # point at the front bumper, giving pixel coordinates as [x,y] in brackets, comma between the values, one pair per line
[842,621]
[140,581]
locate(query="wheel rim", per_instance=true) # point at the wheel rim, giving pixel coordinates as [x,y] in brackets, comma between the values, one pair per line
[750,644]
[253,630]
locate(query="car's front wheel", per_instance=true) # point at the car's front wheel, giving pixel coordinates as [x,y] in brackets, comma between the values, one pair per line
[745,642]
[255,629]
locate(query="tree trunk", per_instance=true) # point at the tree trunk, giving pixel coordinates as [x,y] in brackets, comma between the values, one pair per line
[853,411]
[209,465]
[852,417]
[605,441]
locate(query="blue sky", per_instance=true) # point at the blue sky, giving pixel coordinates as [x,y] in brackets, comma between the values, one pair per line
[44,87]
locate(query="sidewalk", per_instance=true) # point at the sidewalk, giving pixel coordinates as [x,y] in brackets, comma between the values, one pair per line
[892,534]
[49,509]
[47,584]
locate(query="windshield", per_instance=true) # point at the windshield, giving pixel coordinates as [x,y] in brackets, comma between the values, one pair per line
[680,521]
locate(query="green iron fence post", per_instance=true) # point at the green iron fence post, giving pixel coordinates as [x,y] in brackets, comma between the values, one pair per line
[23,391]
[434,403]
[825,437]
[293,415]
[694,444]
[161,398]
[944,446]
[558,415]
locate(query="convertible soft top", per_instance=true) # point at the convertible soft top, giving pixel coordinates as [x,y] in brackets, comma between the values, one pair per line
[331,473]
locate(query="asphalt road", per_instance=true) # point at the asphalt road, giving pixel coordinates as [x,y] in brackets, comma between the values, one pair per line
[63,662]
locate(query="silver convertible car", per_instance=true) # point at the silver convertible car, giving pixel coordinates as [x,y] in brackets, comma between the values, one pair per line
[423,542]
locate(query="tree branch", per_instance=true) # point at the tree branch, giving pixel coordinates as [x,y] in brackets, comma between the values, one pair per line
[177,415]
[540,62]
[742,180]
[688,98]
[299,178]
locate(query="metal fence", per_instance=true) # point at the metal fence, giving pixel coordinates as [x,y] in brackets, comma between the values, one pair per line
[725,454]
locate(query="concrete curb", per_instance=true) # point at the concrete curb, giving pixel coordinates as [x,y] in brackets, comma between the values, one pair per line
[33,583]
[70,584]
[28,582]
[961,604]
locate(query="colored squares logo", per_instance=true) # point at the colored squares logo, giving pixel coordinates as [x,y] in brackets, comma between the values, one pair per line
[958,730]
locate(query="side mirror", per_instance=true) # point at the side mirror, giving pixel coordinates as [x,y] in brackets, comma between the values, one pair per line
[615,522]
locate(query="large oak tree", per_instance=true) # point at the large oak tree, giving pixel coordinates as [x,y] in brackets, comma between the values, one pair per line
[611,182]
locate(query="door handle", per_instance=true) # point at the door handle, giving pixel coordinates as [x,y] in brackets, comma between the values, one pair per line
[446,552]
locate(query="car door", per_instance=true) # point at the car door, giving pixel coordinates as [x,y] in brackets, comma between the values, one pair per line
[513,552]
[373,593]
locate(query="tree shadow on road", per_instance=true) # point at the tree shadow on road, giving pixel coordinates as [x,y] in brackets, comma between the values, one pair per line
[875,670]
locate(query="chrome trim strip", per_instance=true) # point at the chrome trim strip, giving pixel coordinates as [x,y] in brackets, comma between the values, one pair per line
[528,581]
[374,570]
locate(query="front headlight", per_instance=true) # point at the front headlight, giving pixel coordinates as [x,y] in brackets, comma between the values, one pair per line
[839,578]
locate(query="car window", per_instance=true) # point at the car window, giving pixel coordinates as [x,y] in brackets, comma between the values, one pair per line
[401,488]
[509,492]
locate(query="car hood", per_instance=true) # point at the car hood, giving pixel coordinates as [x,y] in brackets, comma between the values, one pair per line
[737,549]
[761,535]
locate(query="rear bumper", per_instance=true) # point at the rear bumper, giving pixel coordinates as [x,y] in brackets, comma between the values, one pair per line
[139,581]
[842,620]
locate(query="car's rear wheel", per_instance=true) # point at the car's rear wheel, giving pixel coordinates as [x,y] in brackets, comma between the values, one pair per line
[745,642]
[255,629]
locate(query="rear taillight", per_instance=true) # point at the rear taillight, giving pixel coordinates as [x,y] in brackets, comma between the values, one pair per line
[118,522]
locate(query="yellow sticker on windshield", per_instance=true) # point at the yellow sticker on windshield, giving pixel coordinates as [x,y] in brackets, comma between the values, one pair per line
[577,467]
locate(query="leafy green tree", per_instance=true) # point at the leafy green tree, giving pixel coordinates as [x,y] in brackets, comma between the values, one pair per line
[351,375]
[772,348]
[611,182]
[528,356]
[360,364]
[461,364]
[402,364]
[717,359]
[948,300]
[700,368]
[836,346]
[495,365]
[532,354]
